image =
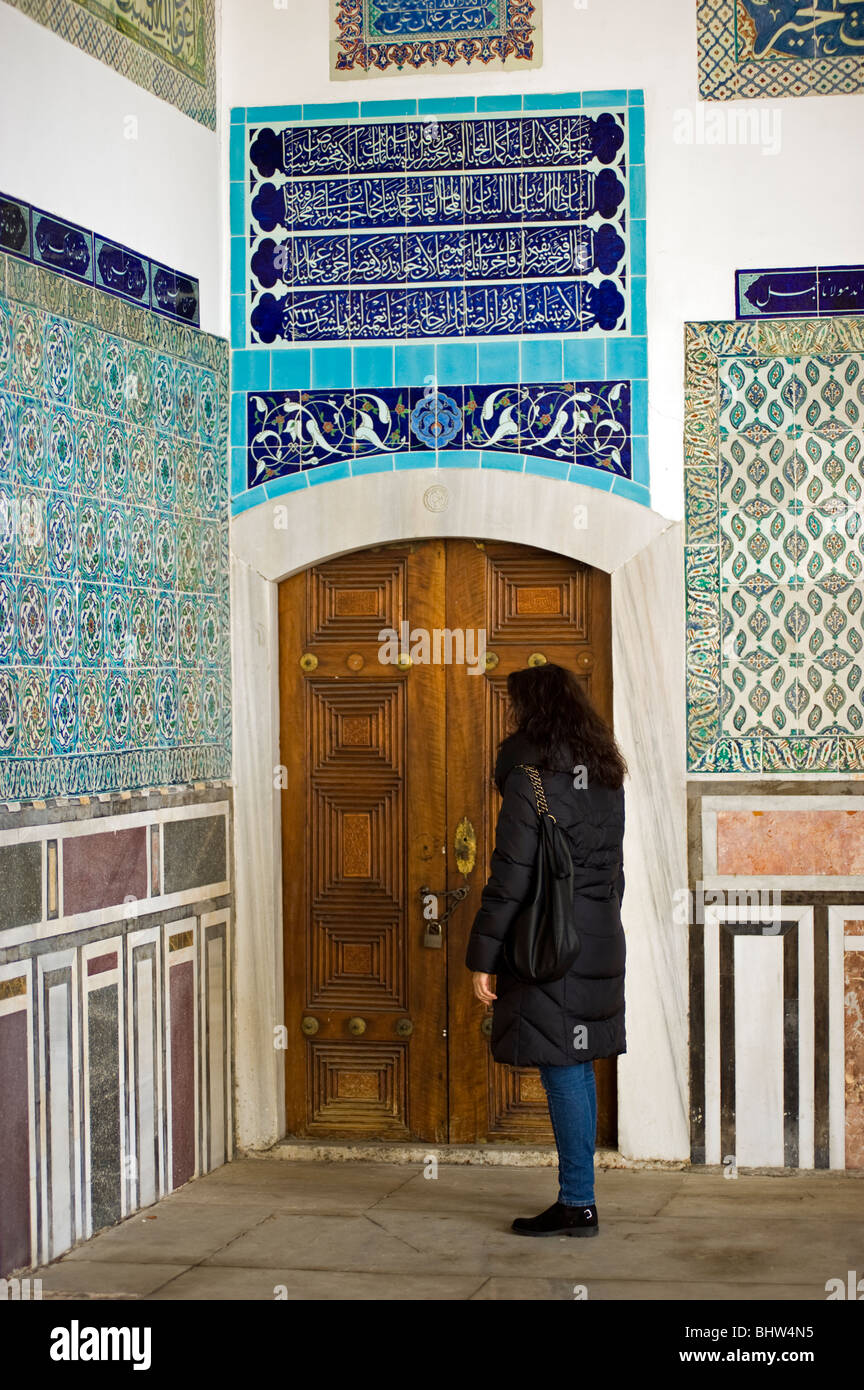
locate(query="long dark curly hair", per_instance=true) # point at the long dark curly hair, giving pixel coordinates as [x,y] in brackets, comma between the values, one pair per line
[549,706]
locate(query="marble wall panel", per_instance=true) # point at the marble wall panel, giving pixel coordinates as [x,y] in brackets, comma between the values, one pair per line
[118,1087]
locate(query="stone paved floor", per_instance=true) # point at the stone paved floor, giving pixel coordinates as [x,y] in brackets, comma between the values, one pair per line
[264,1228]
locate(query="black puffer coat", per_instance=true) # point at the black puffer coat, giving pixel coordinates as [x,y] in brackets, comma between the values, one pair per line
[533,1025]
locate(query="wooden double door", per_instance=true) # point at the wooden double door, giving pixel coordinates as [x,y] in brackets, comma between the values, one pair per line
[388,748]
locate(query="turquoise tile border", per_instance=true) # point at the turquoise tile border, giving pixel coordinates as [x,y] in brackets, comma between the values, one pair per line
[331,367]
[238,115]
[237,209]
[389,108]
[502,103]
[416,458]
[640,469]
[294,482]
[611,98]
[432,106]
[636,97]
[238,321]
[636,123]
[639,407]
[381,463]
[414,362]
[553,101]
[638,306]
[541,360]
[637,190]
[585,359]
[236,152]
[246,500]
[508,463]
[330,111]
[548,468]
[373,366]
[637,246]
[624,488]
[238,418]
[291,369]
[250,370]
[328,473]
[238,471]
[238,265]
[255,115]
[627,357]
[456,363]
[590,477]
[497,363]
[459,458]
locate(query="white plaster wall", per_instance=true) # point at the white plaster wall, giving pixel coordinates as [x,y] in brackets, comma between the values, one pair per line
[712,209]
[63,116]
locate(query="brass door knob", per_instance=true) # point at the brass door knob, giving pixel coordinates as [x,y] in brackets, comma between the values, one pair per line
[356,1026]
[309,1026]
[404,1028]
[308,661]
[536,659]
[486,1026]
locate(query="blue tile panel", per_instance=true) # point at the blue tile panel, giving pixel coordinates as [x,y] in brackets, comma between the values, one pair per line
[420,35]
[586,423]
[471,252]
[70,250]
[816,291]
[114,601]
[401,229]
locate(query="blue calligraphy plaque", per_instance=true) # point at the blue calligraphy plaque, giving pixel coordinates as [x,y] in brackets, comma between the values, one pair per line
[371,230]
[803,292]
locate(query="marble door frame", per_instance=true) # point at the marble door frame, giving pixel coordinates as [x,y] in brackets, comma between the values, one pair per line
[643,552]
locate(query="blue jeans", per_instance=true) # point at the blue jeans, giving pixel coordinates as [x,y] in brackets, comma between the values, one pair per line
[572,1098]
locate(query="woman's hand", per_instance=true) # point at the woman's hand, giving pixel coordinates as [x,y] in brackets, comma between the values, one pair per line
[483,987]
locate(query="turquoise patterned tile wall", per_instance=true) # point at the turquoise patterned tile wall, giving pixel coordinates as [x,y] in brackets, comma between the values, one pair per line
[114,602]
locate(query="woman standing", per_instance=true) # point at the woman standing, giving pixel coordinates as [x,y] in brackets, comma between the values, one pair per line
[561,1026]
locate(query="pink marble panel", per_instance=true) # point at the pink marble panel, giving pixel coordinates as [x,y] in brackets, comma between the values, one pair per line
[853,996]
[102,870]
[790,842]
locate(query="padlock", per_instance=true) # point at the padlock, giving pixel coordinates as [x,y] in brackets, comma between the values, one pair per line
[433,936]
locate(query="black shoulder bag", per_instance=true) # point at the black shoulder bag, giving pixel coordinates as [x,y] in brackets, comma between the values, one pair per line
[543,942]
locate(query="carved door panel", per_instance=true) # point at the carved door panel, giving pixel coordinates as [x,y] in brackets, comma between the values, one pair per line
[387,770]
[362,830]
[532,605]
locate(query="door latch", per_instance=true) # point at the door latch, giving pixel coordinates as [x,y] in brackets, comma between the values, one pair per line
[433,936]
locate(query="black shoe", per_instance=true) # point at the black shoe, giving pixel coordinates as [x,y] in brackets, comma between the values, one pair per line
[559,1220]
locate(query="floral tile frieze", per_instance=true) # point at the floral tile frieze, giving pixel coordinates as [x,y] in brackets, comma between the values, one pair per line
[587,423]
[774,474]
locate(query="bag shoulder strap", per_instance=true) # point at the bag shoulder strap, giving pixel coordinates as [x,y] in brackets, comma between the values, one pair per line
[539,793]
